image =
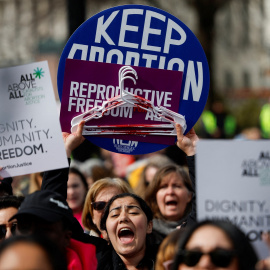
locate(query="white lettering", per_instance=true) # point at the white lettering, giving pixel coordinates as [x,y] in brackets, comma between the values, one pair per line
[162,62]
[98,103]
[110,92]
[92,88]
[148,30]
[130,56]
[126,112]
[70,103]
[82,93]
[119,55]
[149,58]
[169,40]
[102,27]
[149,115]
[79,47]
[83,88]
[178,61]
[125,27]
[89,104]
[148,92]
[134,58]
[74,86]
[191,81]
[94,51]
[167,98]
[80,105]
[100,91]
[138,92]
[159,96]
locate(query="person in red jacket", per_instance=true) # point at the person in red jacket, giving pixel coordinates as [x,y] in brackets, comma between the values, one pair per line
[46,212]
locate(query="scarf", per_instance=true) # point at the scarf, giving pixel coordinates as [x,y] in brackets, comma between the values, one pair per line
[165,227]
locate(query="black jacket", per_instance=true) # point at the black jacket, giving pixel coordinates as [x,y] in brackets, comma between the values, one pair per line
[110,260]
[56,180]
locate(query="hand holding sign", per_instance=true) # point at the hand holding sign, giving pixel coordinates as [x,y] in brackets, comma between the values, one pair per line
[138,36]
[158,120]
[29,139]
[187,143]
[73,140]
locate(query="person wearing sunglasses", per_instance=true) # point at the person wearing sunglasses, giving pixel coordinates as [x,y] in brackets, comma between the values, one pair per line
[96,199]
[8,207]
[214,244]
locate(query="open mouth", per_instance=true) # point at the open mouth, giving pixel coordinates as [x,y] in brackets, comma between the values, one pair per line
[171,203]
[126,235]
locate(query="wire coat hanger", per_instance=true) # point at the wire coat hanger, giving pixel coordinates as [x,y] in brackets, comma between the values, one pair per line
[127,99]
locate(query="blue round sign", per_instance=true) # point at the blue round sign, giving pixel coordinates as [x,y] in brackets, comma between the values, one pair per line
[143,36]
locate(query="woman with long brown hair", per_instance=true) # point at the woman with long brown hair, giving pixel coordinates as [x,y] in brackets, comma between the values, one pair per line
[171,194]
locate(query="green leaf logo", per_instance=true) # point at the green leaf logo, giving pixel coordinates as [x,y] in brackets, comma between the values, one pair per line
[38,73]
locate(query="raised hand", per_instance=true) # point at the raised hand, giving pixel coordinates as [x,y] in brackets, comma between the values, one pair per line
[187,143]
[73,140]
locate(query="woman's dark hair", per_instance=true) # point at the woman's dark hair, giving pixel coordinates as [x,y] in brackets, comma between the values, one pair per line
[82,177]
[56,258]
[146,209]
[10,201]
[6,186]
[247,257]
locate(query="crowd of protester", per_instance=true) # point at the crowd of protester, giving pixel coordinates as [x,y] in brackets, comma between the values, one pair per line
[77,219]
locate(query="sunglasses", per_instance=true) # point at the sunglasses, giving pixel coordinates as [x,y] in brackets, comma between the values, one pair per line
[99,205]
[220,257]
[3,230]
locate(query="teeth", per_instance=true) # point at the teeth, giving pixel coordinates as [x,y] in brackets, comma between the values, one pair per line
[124,229]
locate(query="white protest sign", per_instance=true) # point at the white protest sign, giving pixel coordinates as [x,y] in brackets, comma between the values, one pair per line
[30,133]
[233,183]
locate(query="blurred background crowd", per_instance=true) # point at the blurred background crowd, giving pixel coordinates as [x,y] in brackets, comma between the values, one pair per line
[235,36]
